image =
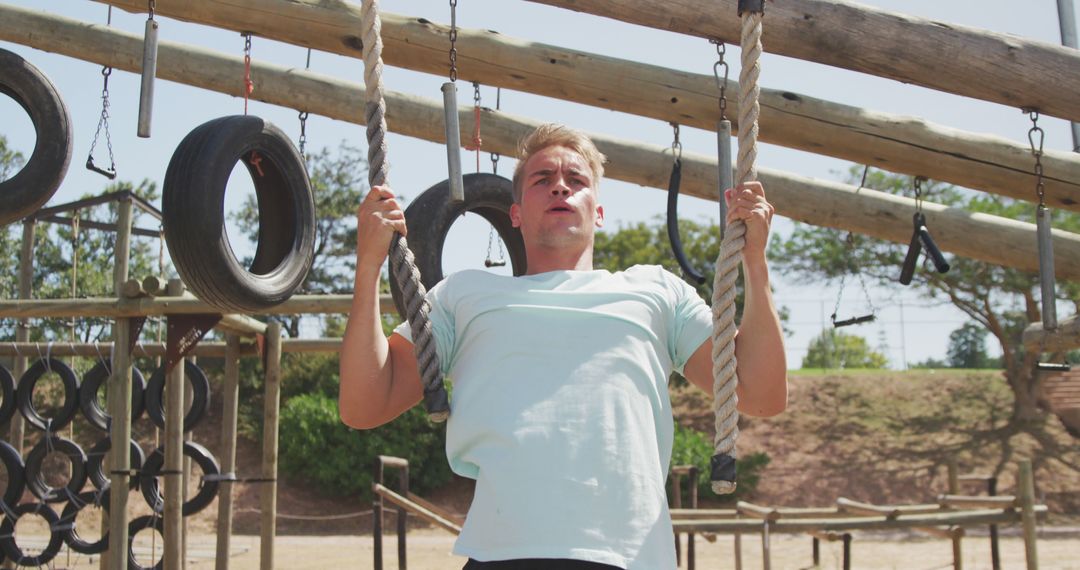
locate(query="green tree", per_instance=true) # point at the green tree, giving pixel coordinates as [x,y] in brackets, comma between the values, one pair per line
[1000,299]
[835,349]
[338,183]
[967,347]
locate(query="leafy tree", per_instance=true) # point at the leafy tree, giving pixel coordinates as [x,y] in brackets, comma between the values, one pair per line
[338,183]
[835,349]
[967,347]
[1002,300]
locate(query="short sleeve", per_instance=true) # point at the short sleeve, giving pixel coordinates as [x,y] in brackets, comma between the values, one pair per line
[692,321]
[442,324]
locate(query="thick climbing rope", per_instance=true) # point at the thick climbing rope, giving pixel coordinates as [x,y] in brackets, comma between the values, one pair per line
[402,263]
[725,401]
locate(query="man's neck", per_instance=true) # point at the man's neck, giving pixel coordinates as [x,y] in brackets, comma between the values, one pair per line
[542,260]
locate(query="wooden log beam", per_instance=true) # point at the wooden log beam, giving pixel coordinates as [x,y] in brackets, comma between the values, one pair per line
[978,501]
[211,349]
[988,238]
[992,66]
[858,507]
[424,513]
[157,306]
[893,142]
[1065,337]
[951,518]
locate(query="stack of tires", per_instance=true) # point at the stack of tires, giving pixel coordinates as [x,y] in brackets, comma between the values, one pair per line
[30,474]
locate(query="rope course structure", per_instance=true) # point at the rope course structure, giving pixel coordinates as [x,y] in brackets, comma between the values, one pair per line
[967,159]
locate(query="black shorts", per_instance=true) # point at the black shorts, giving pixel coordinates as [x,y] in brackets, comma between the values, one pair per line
[537,564]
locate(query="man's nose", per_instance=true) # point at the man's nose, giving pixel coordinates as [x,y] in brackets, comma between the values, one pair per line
[560,187]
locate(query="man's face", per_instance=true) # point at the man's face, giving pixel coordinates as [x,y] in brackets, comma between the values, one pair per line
[559,204]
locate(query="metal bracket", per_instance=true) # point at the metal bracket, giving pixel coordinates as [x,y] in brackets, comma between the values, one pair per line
[183,333]
[751,6]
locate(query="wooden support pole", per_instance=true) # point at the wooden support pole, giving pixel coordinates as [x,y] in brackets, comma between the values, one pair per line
[894,142]
[416,508]
[988,238]
[1026,491]
[230,401]
[17,426]
[172,479]
[992,66]
[120,400]
[954,489]
[268,490]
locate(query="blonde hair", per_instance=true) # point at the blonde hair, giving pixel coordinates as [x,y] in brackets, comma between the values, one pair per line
[554,134]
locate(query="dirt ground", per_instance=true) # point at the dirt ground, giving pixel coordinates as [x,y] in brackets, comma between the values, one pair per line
[430,549]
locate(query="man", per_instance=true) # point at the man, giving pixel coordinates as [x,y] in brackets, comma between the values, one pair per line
[560,406]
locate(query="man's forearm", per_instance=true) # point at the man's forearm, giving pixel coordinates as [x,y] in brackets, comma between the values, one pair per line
[365,369]
[759,346]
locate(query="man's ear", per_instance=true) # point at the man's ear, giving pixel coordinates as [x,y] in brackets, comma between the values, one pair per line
[515,215]
[599,216]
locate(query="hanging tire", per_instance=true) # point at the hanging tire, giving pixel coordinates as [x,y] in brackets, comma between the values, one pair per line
[137,525]
[7,392]
[431,214]
[16,471]
[35,479]
[7,535]
[207,491]
[25,394]
[193,211]
[95,467]
[69,530]
[91,404]
[38,180]
[200,396]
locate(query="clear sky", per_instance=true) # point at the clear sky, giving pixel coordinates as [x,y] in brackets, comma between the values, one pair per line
[911,335]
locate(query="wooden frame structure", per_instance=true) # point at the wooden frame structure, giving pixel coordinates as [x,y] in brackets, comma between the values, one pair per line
[1021,73]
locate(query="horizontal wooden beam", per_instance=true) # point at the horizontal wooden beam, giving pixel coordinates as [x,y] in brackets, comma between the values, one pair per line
[150,350]
[988,238]
[892,142]
[986,65]
[186,305]
[950,518]
[1064,338]
[415,508]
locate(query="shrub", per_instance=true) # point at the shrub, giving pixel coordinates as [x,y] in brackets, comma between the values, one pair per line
[316,447]
[692,447]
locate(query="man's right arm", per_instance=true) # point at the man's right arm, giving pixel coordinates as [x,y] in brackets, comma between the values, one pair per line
[379,377]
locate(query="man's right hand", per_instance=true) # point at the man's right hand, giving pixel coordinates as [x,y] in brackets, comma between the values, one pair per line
[377,218]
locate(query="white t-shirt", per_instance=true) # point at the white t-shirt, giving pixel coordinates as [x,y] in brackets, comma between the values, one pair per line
[560,408]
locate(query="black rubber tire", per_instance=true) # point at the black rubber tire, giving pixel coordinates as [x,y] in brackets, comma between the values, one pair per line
[200,396]
[25,394]
[16,473]
[95,469]
[431,214]
[22,194]
[193,213]
[7,535]
[7,392]
[70,532]
[207,491]
[156,523]
[91,405]
[35,480]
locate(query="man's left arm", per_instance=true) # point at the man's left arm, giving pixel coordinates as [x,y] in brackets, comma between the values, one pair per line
[761,363]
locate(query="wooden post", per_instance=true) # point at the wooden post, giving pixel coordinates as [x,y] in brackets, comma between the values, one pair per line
[954,489]
[120,401]
[230,399]
[172,479]
[1026,482]
[894,142]
[988,238]
[17,427]
[272,397]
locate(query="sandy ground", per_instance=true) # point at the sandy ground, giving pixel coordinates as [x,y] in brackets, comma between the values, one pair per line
[430,549]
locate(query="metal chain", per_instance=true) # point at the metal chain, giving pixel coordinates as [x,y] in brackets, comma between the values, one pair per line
[1035,139]
[103,123]
[453,40]
[303,133]
[849,247]
[477,142]
[151,9]
[721,84]
[495,155]
[249,86]
[676,146]
[917,182]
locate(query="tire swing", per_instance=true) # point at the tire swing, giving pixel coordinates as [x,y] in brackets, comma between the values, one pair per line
[200,396]
[39,179]
[431,214]
[207,490]
[91,404]
[193,213]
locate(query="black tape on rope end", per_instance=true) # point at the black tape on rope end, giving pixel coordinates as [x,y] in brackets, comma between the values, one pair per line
[722,470]
[437,403]
[751,6]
